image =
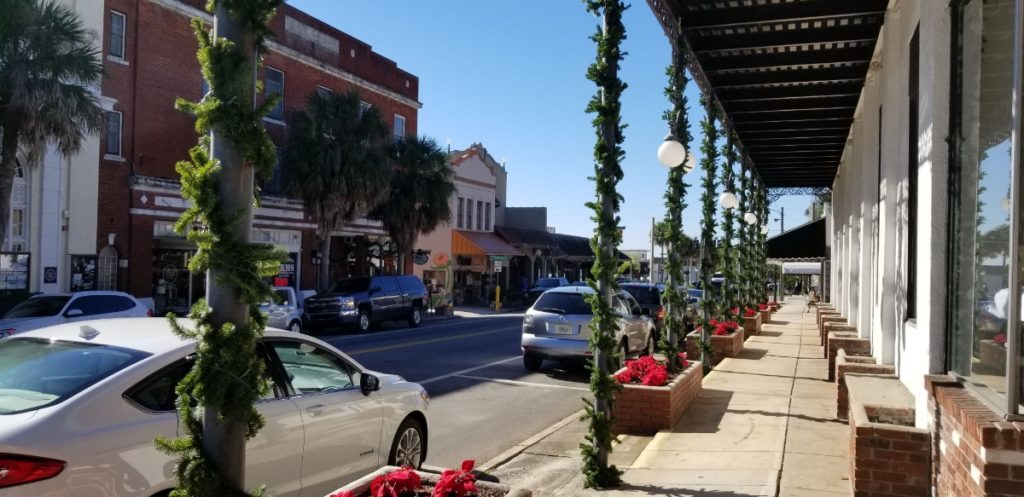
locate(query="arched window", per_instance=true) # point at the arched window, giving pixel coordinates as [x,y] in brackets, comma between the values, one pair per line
[107,271]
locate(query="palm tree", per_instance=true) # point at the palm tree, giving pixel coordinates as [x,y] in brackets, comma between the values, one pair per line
[47,66]
[422,184]
[336,163]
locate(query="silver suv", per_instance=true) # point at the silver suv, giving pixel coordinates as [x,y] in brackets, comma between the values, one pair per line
[557,327]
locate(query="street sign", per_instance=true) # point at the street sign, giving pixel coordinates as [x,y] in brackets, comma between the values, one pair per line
[497,258]
[497,266]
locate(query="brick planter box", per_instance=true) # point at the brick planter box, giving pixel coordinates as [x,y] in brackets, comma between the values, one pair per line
[992,356]
[837,327]
[644,410]
[362,485]
[723,345]
[751,326]
[766,315]
[859,364]
[888,456]
[847,341]
[828,318]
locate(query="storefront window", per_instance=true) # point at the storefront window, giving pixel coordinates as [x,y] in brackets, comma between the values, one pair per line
[980,177]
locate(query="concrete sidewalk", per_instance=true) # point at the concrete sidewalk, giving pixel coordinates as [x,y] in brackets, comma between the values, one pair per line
[764,425]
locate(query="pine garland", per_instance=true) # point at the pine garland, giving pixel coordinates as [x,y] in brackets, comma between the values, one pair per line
[709,163]
[608,155]
[746,241]
[762,249]
[730,287]
[675,195]
[228,375]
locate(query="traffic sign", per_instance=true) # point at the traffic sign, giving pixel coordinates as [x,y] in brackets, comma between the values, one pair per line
[497,266]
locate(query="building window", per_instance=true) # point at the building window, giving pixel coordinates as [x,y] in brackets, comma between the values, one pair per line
[106,274]
[487,216]
[273,84]
[981,170]
[323,91]
[399,127]
[458,211]
[479,216]
[113,133]
[18,223]
[117,23]
[469,214]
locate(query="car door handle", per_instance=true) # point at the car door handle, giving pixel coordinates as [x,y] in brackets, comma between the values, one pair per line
[315,410]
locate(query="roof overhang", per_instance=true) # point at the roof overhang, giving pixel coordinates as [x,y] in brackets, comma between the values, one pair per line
[787,75]
[803,243]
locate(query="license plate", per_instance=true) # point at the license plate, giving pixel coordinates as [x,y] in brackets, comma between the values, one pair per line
[562,329]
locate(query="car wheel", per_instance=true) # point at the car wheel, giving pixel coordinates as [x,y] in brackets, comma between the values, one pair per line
[532,362]
[407,449]
[364,321]
[415,317]
[295,326]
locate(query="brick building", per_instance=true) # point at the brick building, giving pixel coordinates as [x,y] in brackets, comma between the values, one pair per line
[149,59]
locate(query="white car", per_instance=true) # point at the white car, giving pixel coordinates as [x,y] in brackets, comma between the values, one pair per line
[40,311]
[81,403]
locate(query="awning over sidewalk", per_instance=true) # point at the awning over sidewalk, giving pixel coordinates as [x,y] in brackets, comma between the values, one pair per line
[480,243]
[801,268]
[801,243]
[520,237]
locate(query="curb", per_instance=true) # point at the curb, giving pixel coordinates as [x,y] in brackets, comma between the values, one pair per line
[509,454]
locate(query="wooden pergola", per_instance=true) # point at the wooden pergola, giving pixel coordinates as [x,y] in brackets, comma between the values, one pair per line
[786,74]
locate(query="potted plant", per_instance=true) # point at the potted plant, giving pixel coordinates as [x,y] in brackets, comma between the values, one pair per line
[726,338]
[774,305]
[751,322]
[766,313]
[650,398]
[992,353]
[391,481]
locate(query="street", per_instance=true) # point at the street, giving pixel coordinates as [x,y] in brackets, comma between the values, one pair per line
[482,399]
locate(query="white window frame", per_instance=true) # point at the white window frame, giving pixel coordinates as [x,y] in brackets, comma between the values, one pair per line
[266,92]
[120,136]
[124,31]
[394,129]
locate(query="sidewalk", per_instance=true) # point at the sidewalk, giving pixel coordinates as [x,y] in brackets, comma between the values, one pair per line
[764,425]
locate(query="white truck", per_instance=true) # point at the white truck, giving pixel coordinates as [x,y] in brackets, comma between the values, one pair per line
[286,314]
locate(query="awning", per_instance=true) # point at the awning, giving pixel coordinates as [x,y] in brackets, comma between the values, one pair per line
[803,242]
[534,238]
[801,268]
[480,243]
[575,247]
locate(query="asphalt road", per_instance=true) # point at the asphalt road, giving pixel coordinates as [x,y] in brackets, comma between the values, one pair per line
[482,399]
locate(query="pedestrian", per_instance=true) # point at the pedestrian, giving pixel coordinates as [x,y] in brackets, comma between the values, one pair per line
[799,287]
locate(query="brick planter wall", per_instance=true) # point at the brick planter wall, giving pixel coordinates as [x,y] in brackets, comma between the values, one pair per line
[854,364]
[643,410]
[724,345]
[766,316]
[751,326]
[823,322]
[888,456]
[848,341]
[976,453]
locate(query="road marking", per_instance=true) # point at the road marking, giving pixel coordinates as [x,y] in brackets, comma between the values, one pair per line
[468,370]
[523,383]
[432,340]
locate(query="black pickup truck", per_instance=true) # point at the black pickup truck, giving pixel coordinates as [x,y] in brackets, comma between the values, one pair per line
[365,302]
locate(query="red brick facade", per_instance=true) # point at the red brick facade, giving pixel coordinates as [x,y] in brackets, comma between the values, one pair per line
[645,410]
[137,190]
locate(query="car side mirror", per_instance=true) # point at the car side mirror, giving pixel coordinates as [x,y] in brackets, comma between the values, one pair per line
[368,383]
[73,313]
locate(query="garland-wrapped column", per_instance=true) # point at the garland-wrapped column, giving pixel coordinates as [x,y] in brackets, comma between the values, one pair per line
[607,173]
[707,238]
[746,271]
[731,288]
[679,125]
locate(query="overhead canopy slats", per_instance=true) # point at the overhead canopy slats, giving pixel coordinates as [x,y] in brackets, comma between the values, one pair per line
[787,73]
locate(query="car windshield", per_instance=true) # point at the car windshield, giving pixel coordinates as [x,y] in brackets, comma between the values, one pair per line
[549,282]
[36,372]
[563,303]
[351,285]
[645,295]
[38,307]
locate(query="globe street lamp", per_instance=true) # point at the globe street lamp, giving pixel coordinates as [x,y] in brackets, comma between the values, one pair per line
[671,153]
[728,200]
[764,229]
[750,218]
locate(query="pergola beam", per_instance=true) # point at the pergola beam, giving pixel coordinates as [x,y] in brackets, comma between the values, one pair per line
[779,12]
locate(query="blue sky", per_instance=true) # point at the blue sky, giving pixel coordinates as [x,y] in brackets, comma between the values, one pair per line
[511,75]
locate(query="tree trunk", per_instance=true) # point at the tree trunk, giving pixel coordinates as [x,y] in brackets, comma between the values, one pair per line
[325,261]
[8,156]
[224,441]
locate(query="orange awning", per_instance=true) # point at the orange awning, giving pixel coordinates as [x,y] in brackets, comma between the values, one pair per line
[480,243]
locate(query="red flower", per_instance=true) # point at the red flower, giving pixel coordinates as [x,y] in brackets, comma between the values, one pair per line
[456,483]
[644,370]
[735,311]
[682,360]
[343,493]
[656,377]
[395,483]
[763,307]
[774,303]
[1000,339]
[624,377]
[749,313]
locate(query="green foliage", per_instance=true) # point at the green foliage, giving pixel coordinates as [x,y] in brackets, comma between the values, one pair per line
[746,241]
[728,252]
[227,376]
[608,155]
[709,163]
[675,195]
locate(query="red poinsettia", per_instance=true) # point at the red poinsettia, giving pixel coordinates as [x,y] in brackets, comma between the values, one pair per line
[735,311]
[749,313]
[645,371]
[395,483]
[343,493]
[762,307]
[456,482]
[683,363]
[773,303]
[1000,339]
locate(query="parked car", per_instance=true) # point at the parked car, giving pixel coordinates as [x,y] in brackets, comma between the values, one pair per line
[42,310]
[81,403]
[649,297]
[557,327]
[365,302]
[286,312]
[544,284]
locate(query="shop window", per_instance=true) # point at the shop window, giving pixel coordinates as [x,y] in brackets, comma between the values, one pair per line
[981,204]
